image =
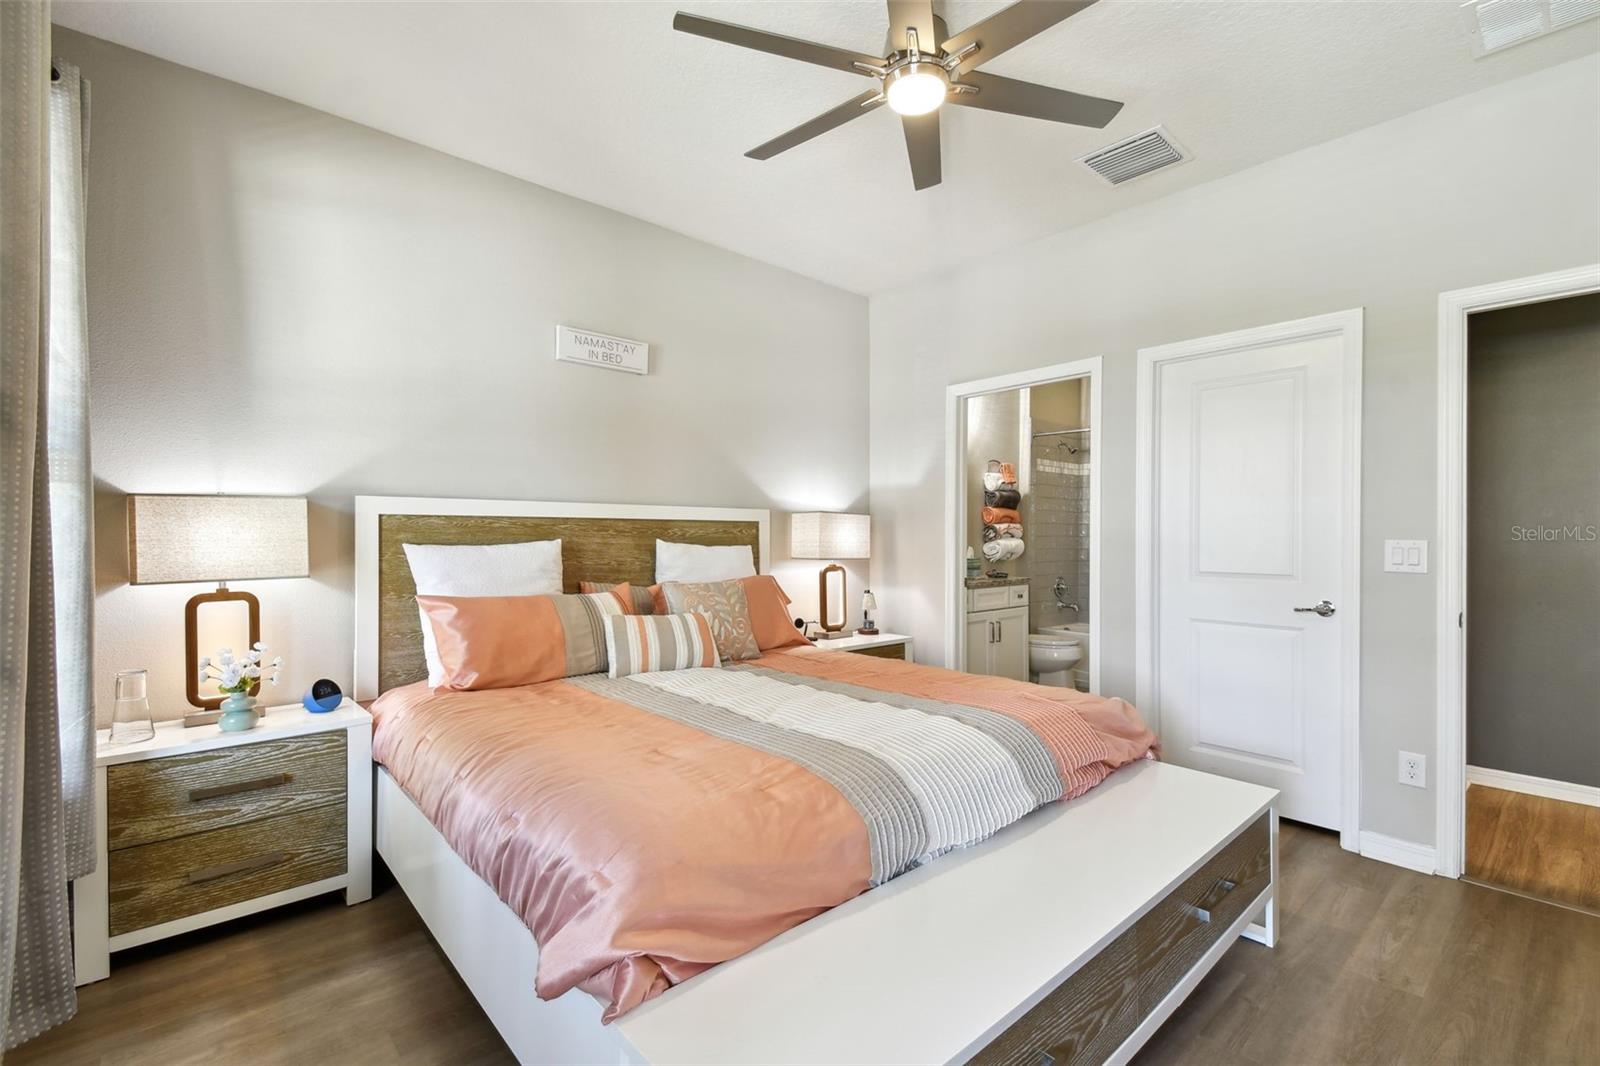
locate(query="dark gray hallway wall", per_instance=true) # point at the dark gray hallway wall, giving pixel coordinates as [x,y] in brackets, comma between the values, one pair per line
[1533,535]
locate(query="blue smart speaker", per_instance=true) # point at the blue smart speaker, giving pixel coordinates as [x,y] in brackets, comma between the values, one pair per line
[322,696]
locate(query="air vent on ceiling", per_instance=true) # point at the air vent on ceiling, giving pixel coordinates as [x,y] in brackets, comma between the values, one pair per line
[1498,24]
[1136,156]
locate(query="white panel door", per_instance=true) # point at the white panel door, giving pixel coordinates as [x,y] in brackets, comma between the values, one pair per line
[1247,527]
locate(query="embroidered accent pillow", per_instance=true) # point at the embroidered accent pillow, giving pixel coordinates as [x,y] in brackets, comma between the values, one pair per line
[645,600]
[727,609]
[505,641]
[642,644]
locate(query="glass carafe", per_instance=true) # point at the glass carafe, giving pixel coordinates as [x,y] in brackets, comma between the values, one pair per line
[130,719]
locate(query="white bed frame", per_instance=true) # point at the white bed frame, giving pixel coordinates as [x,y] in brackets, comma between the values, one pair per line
[928,968]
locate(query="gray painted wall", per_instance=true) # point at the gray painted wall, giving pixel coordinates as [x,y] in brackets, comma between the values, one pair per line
[1385,219]
[281,301]
[1533,540]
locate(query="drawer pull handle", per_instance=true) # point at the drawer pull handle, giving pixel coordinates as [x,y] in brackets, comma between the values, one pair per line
[254,785]
[260,862]
[1202,911]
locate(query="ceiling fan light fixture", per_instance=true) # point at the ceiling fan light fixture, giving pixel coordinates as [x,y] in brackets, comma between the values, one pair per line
[916,88]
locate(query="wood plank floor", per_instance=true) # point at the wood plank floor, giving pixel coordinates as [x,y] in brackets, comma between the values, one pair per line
[1374,964]
[1545,848]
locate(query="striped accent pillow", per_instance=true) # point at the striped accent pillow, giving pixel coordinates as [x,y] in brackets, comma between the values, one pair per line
[505,641]
[642,644]
[645,600]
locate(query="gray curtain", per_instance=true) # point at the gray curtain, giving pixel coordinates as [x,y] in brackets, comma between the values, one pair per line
[45,742]
[67,437]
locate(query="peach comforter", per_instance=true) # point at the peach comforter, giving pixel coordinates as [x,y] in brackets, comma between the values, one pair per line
[650,827]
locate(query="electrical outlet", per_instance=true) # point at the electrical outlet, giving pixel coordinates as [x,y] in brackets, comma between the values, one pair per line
[1413,769]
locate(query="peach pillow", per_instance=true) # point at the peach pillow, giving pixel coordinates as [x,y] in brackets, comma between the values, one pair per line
[769,613]
[505,641]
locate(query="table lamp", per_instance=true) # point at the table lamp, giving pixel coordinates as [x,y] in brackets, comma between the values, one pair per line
[831,536]
[869,603]
[173,539]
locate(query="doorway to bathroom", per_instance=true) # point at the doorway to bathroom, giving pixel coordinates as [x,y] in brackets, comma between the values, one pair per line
[1519,596]
[1022,497]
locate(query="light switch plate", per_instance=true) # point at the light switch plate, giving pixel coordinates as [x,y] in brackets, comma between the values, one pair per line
[1405,556]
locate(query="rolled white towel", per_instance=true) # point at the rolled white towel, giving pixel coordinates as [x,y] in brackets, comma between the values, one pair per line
[994,550]
[1013,547]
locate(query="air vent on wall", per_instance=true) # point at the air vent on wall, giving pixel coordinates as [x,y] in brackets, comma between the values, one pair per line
[1136,156]
[1498,24]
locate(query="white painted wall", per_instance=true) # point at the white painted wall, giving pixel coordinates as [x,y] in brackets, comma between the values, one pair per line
[285,302]
[1495,185]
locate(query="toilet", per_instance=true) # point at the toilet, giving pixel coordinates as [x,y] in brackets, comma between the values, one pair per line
[1051,657]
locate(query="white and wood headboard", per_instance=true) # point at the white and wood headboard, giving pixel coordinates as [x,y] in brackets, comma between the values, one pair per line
[600,542]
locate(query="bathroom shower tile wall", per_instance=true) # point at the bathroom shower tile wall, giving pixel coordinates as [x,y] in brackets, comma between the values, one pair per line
[1057,525]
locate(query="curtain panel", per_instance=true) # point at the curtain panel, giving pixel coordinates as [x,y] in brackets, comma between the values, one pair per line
[46,741]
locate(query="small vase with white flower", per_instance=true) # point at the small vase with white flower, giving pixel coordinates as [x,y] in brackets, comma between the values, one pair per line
[235,677]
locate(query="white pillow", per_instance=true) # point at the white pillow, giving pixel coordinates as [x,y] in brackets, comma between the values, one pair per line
[703,562]
[532,568]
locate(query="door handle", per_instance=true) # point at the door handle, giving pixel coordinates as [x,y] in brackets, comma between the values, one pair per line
[991,630]
[1000,631]
[1324,609]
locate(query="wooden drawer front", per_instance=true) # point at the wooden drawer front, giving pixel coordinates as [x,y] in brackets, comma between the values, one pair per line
[1192,918]
[1090,1015]
[159,882]
[888,651]
[161,799]
[1083,1021]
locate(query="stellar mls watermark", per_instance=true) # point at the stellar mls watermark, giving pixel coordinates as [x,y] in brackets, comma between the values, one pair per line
[1548,534]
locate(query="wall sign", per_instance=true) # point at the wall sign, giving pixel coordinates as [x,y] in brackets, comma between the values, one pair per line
[599,349]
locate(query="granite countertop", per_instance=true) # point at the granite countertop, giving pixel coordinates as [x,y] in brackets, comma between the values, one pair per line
[994,582]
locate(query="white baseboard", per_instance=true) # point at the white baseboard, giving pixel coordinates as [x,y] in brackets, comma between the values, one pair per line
[1588,795]
[1407,853]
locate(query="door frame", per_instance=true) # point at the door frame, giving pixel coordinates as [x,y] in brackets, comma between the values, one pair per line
[955,502]
[1450,672]
[1348,326]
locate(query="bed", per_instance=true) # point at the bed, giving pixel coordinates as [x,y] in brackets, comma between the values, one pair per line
[1072,932]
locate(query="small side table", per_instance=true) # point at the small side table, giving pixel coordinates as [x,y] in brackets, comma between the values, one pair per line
[883,645]
[197,826]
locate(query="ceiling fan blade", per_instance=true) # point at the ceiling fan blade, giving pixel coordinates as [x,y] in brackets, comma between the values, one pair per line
[775,44]
[912,15]
[1008,28]
[922,147]
[870,100]
[1035,101]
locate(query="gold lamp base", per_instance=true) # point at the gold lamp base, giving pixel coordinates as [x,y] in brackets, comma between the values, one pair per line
[831,630]
[191,641]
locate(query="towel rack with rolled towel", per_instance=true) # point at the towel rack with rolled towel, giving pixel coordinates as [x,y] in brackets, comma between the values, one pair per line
[1001,514]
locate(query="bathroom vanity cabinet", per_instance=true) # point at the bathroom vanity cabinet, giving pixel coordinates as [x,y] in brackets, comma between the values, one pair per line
[997,631]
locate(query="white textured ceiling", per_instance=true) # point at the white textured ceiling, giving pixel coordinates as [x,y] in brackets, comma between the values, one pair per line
[606,102]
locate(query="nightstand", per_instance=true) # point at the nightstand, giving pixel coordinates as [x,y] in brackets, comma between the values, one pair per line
[197,826]
[883,645]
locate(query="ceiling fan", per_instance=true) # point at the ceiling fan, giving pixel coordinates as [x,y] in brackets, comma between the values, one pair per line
[925,68]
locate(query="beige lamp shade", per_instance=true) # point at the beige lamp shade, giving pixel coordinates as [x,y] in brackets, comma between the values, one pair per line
[215,538]
[825,535]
